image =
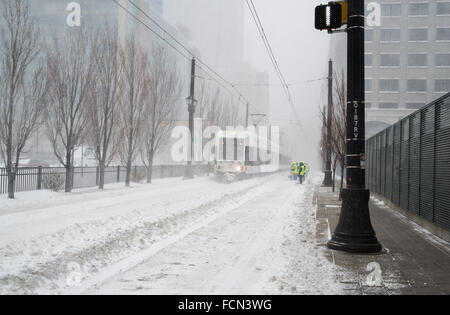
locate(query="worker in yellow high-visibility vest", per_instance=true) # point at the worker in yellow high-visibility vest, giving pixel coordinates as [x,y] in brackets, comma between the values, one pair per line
[301,172]
[294,171]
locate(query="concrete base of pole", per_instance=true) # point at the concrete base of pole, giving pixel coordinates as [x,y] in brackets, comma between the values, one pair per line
[328,180]
[354,232]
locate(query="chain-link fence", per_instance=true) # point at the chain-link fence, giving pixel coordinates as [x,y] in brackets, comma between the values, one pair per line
[409,163]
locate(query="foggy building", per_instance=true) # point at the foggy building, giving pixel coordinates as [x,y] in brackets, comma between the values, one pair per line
[51,18]
[157,6]
[216,30]
[253,85]
[407,59]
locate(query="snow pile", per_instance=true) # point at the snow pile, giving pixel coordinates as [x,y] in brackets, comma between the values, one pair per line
[308,271]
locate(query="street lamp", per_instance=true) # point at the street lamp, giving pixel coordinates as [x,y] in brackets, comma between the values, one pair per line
[354,232]
[191,103]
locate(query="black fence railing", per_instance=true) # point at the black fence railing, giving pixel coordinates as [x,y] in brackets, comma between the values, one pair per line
[409,163]
[36,178]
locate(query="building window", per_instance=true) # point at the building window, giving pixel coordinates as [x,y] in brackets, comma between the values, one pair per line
[443,60]
[369,35]
[443,8]
[390,10]
[417,85]
[418,34]
[415,105]
[368,60]
[388,105]
[442,86]
[443,34]
[417,60]
[390,35]
[368,85]
[390,60]
[368,105]
[389,85]
[418,9]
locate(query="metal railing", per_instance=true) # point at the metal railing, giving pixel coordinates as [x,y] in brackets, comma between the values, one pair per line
[33,178]
[409,163]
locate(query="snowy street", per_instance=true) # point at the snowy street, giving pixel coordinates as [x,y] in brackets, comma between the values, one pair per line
[172,237]
[198,149]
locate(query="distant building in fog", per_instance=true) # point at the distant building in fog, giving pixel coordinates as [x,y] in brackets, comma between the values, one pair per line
[157,6]
[216,29]
[51,18]
[407,59]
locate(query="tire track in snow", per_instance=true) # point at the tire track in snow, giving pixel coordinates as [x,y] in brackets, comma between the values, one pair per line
[236,253]
[47,275]
[220,207]
[266,245]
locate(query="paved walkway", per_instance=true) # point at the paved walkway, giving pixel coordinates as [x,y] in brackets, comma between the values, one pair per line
[413,261]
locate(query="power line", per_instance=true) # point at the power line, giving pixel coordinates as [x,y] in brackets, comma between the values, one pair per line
[205,65]
[265,39]
[151,30]
[272,57]
[220,84]
[278,84]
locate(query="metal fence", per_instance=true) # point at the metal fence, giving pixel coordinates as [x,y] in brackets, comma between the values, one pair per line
[34,178]
[409,163]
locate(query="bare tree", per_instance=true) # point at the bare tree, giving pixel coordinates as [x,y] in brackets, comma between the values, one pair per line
[203,97]
[323,137]
[334,164]
[21,90]
[134,95]
[231,112]
[164,92]
[218,110]
[215,108]
[69,67]
[104,99]
[204,110]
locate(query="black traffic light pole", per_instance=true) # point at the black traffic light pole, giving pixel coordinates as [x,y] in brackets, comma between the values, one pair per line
[328,180]
[354,232]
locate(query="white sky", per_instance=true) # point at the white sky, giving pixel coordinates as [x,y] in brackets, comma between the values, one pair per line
[302,54]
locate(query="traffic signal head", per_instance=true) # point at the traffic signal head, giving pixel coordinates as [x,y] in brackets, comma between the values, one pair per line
[331,16]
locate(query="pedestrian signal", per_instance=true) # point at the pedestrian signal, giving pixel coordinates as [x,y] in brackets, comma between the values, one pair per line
[331,16]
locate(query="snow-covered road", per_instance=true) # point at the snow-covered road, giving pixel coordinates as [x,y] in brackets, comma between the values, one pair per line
[179,237]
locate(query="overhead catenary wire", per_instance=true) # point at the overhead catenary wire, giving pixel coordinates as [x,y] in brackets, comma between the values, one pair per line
[260,28]
[223,87]
[201,64]
[278,84]
[271,54]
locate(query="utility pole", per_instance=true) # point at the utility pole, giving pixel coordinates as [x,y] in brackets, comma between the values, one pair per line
[354,232]
[191,102]
[324,135]
[246,115]
[328,180]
